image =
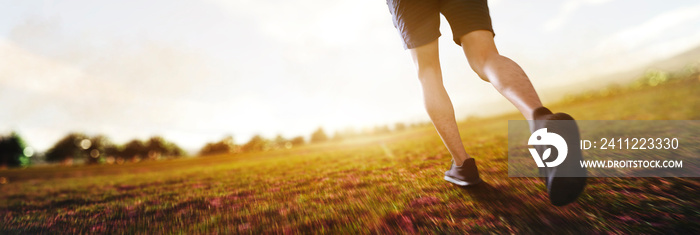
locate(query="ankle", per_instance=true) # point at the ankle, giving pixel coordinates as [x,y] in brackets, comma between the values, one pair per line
[460,161]
[539,113]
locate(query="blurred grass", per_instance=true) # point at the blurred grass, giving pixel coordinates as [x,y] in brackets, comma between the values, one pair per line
[385,184]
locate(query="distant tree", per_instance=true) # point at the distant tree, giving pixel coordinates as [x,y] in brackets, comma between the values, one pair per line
[70,147]
[381,129]
[134,150]
[399,126]
[338,136]
[297,141]
[279,140]
[97,150]
[114,153]
[256,143]
[282,143]
[157,147]
[319,136]
[12,151]
[174,150]
[421,124]
[226,145]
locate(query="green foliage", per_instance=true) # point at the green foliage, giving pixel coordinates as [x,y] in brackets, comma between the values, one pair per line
[98,148]
[12,152]
[68,148]
[226,145]
[157,147]
[297,141]
[134,150]
[256,143]
[399,126]
[78,147]
[281,143]
[319,136]
[650,79]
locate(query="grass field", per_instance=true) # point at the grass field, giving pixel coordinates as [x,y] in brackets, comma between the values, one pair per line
[383,184]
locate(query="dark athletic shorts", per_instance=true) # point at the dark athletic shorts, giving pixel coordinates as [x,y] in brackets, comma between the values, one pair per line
[418,21]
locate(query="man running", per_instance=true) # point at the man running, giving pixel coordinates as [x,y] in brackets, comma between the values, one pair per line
[418,24]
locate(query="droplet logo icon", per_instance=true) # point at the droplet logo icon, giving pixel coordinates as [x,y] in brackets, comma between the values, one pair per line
[542,137]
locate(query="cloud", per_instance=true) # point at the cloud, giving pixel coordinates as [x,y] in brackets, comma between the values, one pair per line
[311,22]
[122,90]
[652,29]
[307,72]
[663,35]
[567,9]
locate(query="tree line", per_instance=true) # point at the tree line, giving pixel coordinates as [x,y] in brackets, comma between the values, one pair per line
[79,148]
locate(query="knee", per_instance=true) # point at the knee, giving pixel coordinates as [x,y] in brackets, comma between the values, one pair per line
[429,74]
[479,48]
[479,62]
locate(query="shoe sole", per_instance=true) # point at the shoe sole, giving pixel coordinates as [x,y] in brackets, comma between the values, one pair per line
[460,182]
[565,190]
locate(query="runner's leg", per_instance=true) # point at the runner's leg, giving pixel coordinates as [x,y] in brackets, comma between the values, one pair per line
[503,73]
[437,102]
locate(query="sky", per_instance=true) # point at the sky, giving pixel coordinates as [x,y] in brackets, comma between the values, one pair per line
[197,71]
